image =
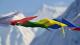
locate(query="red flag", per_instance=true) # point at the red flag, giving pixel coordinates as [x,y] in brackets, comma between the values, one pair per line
[22,21]
[77,29]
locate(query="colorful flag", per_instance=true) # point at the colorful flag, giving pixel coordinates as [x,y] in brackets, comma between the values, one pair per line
[76,29]
[22,21]
[50,22]
[66,22]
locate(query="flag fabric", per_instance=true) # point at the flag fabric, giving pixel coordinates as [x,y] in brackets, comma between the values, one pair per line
[22,21]
[78,25]
[51,23]
[44,23]
[55,26]
[66,22]
[29,24]
[32,24]
[76,29]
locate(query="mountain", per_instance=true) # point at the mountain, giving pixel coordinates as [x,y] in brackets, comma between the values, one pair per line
[5,18]
[49,12]
[73,11]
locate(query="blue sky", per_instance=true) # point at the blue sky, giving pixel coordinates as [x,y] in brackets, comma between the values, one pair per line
[28,7]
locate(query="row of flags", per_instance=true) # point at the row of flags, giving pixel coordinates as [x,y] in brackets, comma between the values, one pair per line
[43,23]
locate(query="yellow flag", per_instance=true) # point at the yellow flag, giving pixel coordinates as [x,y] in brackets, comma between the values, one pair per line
[50,22]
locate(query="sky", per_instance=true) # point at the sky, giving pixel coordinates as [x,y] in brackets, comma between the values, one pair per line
[29,7]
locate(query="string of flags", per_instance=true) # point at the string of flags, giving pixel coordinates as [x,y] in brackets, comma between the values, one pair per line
[43,23]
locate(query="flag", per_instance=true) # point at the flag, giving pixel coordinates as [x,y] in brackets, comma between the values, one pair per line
[50,22]
[66,22]
[76,29]
[22,21]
